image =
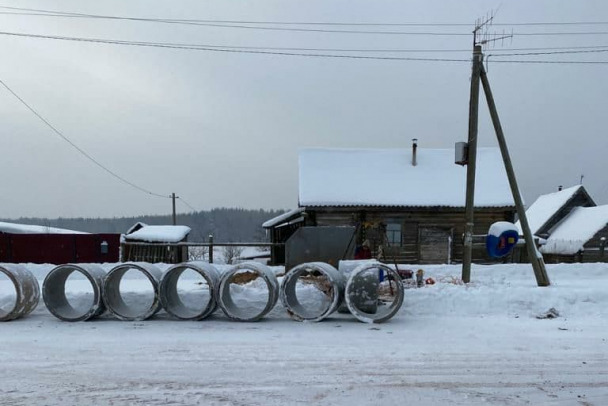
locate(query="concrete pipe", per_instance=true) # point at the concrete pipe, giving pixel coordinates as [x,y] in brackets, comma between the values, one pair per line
[364,289]
[346,267]
[114,300]
[327,291]
[247,312]
[54,292]
[191,304]
[24,297]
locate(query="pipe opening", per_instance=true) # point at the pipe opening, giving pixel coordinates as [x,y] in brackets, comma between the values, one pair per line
[8,295]
[19,292]
[247,292]
[312,291]
[127,297]
[374,293]
[71,293]
[187,291]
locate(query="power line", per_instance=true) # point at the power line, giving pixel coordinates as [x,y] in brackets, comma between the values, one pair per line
[552,53]
[552,62]
[303,49]
[264,52]
[52,13]
[204,48]
[80,150]
[186,203]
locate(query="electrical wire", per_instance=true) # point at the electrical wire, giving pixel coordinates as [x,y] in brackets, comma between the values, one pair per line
[52,13]
[186,203]
[205,46]
[77,148]
[552,53]
[264,52]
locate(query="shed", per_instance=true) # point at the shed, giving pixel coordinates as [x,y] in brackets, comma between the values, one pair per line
[409,203]
[155,244]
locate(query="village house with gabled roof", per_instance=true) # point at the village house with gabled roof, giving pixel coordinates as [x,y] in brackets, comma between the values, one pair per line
[570,226]
[551,208]
[408,203]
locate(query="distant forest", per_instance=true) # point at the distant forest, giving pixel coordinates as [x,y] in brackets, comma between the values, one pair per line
[226,224]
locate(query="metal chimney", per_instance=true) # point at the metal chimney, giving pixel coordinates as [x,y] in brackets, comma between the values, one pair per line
[414,148]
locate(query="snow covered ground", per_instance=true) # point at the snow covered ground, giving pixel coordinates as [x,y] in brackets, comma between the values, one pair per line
[449,345]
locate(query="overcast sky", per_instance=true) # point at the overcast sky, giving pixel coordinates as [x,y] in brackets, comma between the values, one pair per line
[224,129]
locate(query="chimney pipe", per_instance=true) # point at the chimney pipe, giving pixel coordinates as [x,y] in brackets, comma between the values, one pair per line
[414,148]
[559,188]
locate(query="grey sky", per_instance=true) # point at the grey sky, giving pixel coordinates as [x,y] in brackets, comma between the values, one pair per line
[224,129]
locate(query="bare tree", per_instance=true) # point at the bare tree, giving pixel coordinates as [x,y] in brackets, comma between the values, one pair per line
[197,253]
[231,253]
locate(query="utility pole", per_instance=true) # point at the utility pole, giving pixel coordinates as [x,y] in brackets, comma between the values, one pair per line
[174,216]
[536,259]
[471,164]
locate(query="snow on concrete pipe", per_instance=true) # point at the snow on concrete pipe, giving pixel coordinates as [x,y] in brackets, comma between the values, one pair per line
[192,301]
[321,291]
[76,308]
[141,305]
[248,307]
[24,292]
[366,287]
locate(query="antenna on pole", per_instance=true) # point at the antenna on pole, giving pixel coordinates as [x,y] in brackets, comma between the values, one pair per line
[481,39]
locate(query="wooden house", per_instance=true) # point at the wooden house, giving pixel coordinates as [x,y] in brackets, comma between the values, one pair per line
[579,237]
[409,204]
[549,209]
[569,225]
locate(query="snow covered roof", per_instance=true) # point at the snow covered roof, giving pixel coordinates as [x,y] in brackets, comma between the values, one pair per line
[12,228]
[282,217]
[386,177]
[136,227]
[546,206]
[159,234]
[575,230]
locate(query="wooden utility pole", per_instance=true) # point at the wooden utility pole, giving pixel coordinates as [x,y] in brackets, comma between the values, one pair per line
[174,215]
[536,258]
[471,164]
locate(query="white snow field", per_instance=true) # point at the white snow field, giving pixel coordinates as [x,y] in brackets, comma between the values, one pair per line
[449,345]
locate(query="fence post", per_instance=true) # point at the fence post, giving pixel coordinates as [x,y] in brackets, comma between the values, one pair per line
[602,247]
[210,248]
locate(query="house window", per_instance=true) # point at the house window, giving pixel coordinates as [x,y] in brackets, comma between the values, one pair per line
[393,234]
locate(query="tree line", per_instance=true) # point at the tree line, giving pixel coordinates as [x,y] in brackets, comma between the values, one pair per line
[225,224]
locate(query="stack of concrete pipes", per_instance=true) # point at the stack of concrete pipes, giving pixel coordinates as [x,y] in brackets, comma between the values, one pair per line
[357,289]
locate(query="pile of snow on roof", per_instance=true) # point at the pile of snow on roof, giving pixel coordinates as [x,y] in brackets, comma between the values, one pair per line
[12,228]
[546,206]
[576,230]
[386,177]
[159,234]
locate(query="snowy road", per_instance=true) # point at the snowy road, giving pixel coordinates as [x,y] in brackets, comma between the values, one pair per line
[450,345]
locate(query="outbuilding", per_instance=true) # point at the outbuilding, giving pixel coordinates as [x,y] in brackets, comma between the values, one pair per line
[22,243]
[155,244]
